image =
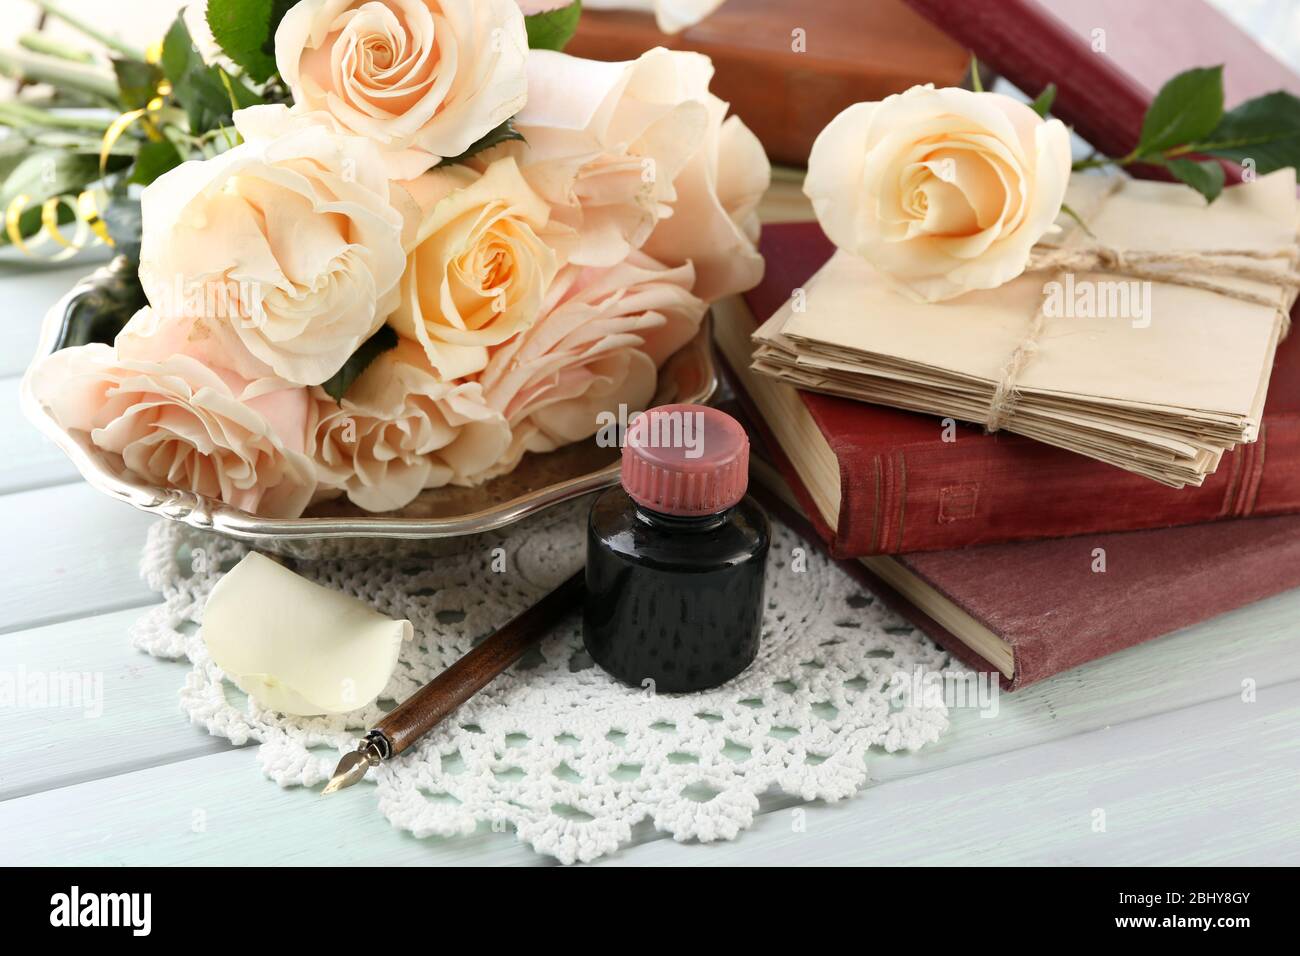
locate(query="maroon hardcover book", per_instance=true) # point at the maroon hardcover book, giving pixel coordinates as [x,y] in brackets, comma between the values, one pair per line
[1107,57]
[1058,604]
[904,489]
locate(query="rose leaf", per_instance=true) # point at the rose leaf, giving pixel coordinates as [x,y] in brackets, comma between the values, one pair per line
[1185,110]
[137,82]
[245,30]
[554,28]
[1265,131]
[337,385]
[1205,177]
[153,160]
[493,137]
[207,94]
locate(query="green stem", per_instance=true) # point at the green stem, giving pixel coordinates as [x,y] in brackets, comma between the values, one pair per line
[1099,161]
[112,42]
[35,68]
[976,84]
[16,114]
[40,43]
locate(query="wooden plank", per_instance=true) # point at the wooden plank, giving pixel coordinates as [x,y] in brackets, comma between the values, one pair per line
[31,460]
[1210,785]
[69,552]
[218,810]
[86,705]
[1202,663]
[1214,784]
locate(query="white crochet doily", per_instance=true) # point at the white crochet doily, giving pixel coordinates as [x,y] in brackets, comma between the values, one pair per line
[554,748]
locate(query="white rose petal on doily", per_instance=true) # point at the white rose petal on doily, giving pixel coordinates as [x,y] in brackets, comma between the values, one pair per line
[296,647]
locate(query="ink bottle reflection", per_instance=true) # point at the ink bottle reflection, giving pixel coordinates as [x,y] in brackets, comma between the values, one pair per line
[676,555]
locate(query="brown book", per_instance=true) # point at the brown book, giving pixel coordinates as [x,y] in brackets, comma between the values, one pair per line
[786,90]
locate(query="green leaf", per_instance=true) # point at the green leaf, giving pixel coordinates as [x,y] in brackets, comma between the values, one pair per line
[493,137]
[1185,110]
[196,86]
[1043,105]
[245,29]
[1205,177]
[337,385]
[1265,130]
[153,160]
[240,95]
[178,53]
[137,82]
[976,84]
[46,173]
[554,28]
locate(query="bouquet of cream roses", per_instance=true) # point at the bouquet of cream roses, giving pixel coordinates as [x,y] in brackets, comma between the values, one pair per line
[447,244]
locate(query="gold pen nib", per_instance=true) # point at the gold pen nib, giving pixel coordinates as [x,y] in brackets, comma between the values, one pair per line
[351,768]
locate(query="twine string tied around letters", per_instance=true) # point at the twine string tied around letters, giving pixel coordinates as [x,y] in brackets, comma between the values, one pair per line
[1183,267]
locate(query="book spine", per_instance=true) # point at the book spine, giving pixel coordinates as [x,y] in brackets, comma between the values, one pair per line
[979,490]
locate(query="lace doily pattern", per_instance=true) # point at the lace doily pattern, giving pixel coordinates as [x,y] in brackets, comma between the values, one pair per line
[555,749]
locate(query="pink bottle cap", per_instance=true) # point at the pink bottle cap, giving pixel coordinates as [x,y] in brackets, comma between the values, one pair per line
[685,460]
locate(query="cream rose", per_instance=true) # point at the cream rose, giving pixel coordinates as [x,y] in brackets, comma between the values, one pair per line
[427,75]
[400,430]
[943,191]
[603,335]
[606,142]
[178,423]
[641,154]
[714,222]
[295,230]
[478,268]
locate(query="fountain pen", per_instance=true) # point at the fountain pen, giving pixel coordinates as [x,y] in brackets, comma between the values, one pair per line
[427,707]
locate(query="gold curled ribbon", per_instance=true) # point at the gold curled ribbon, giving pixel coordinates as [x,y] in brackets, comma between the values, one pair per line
[85,212]
[88,209]
[123,123]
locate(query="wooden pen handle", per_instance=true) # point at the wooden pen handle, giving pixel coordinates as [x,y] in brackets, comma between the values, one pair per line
[424,709]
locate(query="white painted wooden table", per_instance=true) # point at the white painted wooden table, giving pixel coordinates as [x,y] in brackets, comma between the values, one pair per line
[1158,737]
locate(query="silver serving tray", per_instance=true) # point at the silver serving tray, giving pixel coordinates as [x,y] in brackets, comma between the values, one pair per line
[433,523]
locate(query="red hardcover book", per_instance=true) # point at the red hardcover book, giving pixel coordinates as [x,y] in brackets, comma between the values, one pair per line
[878,480]
[1032,610]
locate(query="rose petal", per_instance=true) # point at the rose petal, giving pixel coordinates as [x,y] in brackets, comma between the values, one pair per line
[296,647]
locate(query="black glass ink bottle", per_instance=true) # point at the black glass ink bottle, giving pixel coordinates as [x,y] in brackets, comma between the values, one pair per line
[676,554]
